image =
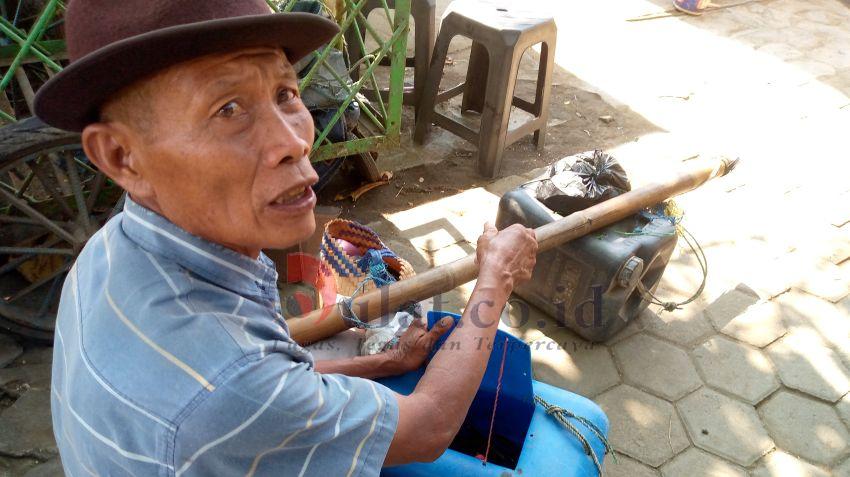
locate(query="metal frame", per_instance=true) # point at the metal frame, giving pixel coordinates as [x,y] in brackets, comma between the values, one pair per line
[384,117]
[29,49]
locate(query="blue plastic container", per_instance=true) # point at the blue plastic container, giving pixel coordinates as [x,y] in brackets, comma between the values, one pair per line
[526,441]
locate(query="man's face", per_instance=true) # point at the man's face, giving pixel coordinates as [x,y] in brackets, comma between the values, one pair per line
[226,157]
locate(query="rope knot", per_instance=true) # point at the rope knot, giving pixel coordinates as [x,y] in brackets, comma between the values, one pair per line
[562,415]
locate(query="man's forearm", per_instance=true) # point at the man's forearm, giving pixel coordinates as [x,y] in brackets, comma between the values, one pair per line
[430,417]
[454,374]
[374,366]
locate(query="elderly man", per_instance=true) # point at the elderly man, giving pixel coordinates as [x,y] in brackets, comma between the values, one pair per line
[171,354]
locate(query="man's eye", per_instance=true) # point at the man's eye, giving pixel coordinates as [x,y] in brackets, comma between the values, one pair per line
[286,95]
[229,110]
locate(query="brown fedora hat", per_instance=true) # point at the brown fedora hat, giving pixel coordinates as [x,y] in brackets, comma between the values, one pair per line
[112,44]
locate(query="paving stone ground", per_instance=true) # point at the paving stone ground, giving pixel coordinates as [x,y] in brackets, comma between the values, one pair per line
[647,429]
[26,429]
[779,463]
[724,426]
[27,446]
[757,370]
[736,368]
[693,458]
[805,427]
[752,378]
[641,356]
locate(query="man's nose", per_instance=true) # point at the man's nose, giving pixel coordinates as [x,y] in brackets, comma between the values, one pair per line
[285,137]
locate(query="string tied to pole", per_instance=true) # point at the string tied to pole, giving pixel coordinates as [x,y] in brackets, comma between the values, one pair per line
[496,400]
[670,211]
[380,275]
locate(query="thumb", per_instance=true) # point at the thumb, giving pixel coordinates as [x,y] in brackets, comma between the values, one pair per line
[417,323]
[440,328]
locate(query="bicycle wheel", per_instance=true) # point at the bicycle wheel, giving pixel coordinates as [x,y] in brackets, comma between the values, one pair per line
[52,199]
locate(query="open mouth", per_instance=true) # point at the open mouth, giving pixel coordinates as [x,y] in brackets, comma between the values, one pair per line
[295,201]
[291,196]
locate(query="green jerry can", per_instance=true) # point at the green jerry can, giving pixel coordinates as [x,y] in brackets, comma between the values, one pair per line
[596,284]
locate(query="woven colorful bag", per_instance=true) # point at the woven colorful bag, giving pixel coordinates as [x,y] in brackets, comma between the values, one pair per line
[375,265]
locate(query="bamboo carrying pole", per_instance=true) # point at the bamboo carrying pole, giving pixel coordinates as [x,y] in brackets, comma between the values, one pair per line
[328,321]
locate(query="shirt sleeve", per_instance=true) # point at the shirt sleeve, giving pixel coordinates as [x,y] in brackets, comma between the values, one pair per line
[278,417]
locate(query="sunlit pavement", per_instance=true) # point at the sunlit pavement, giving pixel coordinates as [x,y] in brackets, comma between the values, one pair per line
[752,378]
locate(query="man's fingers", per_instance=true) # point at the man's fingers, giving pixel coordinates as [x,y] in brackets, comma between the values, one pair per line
[440,328]
[484,240]
[490,230]
[418,323]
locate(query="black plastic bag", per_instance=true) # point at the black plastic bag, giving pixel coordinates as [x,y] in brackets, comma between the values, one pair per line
[580,181]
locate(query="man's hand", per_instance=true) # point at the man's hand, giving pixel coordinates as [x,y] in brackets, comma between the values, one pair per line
[416,343]
[408,354]
[507,257]
[431,416]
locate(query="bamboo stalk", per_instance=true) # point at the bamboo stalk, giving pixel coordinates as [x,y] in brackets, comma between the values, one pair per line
[328,321]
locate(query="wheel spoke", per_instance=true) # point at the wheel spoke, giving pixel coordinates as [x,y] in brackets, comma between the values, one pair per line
[36,251]
[119,206]
[77,189]
[99,181]
[59,174]
[38,283]
[85,166]
[13,263]
[41,219]
[8,187]
[51,200]
[12,219]
[50,184]
[51,294]
[26,184]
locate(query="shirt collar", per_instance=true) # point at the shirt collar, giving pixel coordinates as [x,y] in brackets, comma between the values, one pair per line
[216,263]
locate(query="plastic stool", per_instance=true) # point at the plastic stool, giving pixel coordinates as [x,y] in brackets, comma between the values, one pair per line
[500,34]
[424,14]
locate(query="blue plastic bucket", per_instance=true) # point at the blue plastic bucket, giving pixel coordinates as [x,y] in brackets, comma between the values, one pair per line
[526,440]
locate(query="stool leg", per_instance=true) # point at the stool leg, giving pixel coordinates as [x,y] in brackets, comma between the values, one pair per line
[425,19]
[541,96]
[429,92]
[353,48]
[476,79]
[354,51]
[497,110]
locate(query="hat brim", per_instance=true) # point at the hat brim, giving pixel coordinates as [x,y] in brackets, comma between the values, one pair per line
[72,99]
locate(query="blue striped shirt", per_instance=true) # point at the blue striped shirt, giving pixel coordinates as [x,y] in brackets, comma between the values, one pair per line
[172,358]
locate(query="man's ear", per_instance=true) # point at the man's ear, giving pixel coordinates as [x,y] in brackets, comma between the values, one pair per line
[110,147]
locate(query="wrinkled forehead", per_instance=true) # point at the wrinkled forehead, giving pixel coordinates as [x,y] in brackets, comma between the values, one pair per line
[195,84]
[212,67]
